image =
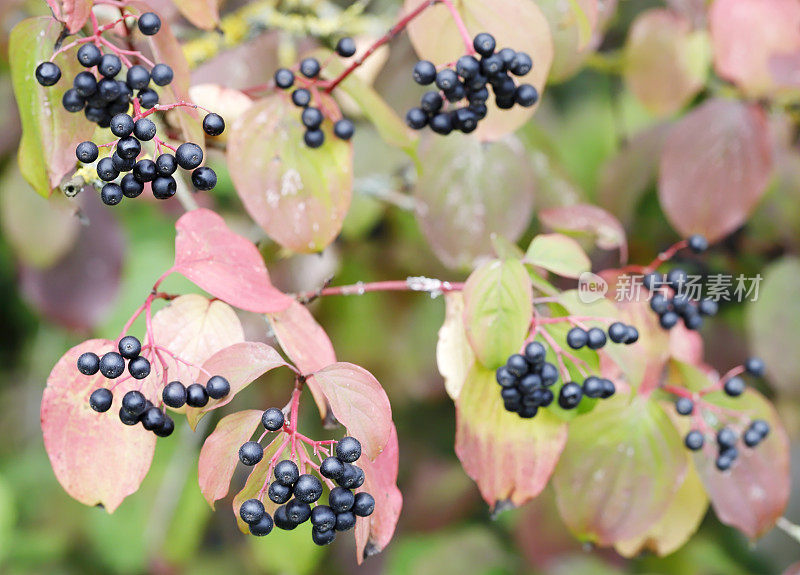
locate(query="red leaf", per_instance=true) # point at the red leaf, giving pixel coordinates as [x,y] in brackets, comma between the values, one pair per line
[306,344]
[715,167]
[96,458]
[224,264]
[241,364]
[73,13]
[359,402]
[373,533]
[511,459]
[220,452]
[587,219]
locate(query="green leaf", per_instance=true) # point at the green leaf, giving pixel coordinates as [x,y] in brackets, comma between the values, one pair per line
[454,356]
[497,310]
[620,471]
[49,133]
[559,254]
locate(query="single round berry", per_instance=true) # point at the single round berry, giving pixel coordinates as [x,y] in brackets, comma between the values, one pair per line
[520,64]
[174,394]
[149,24]
[694,440]
[122,125]
[166,428]
[431,102]
[344,129]
[535,353]
[272,419]
[251,453]
[138,78]
[101,400]
[684,406]
[697,243]
[726,438]
[152,418]
[130,347]
[754,366]
[111,194]
[189,155]
[131,187]
[127,418]
[112,365]
[72,101]
[751,437]
[633,335]
[251,511]
[323,518]
[596,338]
[345,47]
[529,383]
[314,138]
[493,67]
[659,303]
[484,44]
[593,387]
[145,170]
[668,319]
[364,504]
[734,386]
[279,493]
[88,363]
[310,67]
[134,402]
[446,79]
[348,449]
[677,278]
[87,152]
[284,78]
[166,164]
[549,374]
[416,118]
[577,338]
[442,124]
[311,118]
[652,280]
[724,462]
[332,468]
[618,332]
[465,120]
[341,499]
[122,164]
[139,367]
[517,365]
[345,521]
[505,378]
[352,478]
[692,320]
[147,98]
[308,488]
[570,395]
[297,511]
[213,124]
[301,97]
[286,472]
[217,387]
[282,520]
[161,74]
[109,66]
[424,72]
[106,170]
[48,74]
[164,187]
[468,67]
[89,55]
[196,395]
[128,148]
[144,129]
[263,526]
[761,426]
[609,389]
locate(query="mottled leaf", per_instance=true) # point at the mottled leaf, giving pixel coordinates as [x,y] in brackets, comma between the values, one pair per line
[220,453]
[666,62]
[96,458]
[359,402]
[201,13]
[373,533]
[497,310]
[620,470]
[73,13]
[586,219]
[576,26]
[754,493]
[297,194]
[519,24]
[49,133]
[559,254]
[715,167]
[510,458]
[468,191]
[454,356]
[224,263]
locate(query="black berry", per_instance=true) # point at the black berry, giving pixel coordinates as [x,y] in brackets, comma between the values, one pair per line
[251,511]
[161,74]
[152,418]
[734,386]
[310,67]
[308,488]
[217,387]
[174,394]
[48,74]
[101,400]
[272,419]
[213,124]
[424,72]
[144,129]
[279,493]
[286,472]
[112,365]
[137,78]
[166,164]
[694,440]
[88,363]
[364,504]
[484,44]
[301,97]
[344,129]
[196,395]
[345,521]
[596,338]
[263,526]
[189,155]
[134,402]
[314,138]
[345,47]
[284,78]
[684,406]
[577,338]
[416,118]
[570,395]
[348,449]
[89,55]
[72,101]
[341,499]
[323,517]
[754,366]
[149,24]
[139,367]
[297,511]
[332,468]
[251,453]
[164,187]
[129,347]
[697,243]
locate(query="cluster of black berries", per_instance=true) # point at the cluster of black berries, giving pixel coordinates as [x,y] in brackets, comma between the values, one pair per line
[595,338]
[727,438]
[295,493]
[112,364]
[312,117]
[107,101]
[176,395]
[675,304]
[467,85]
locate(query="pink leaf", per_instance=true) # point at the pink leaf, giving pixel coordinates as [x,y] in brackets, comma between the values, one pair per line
[241,364]
[511,459]
[224,264]
[220,452]
[201,13]
[96,458]
[715,167]
[747,34]
[307,345]
[359,402]
[755,492]
[73,13]
[373,533]
[581,219]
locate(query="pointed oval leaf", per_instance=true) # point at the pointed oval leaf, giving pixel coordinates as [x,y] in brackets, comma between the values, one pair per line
[96,458]
[715,167]
[220,453]
[201,13]
[468,191]
[73,13]
[359,402]
[514,23]
[559,254]
[224,263]
[454,356]
[755,492]
[241,364]
[256,481]
[299,195]
[497,310]
[620,470]
[373,533]
[49,133]
[747,34]
[574,25]
[510,458]
[586,219]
